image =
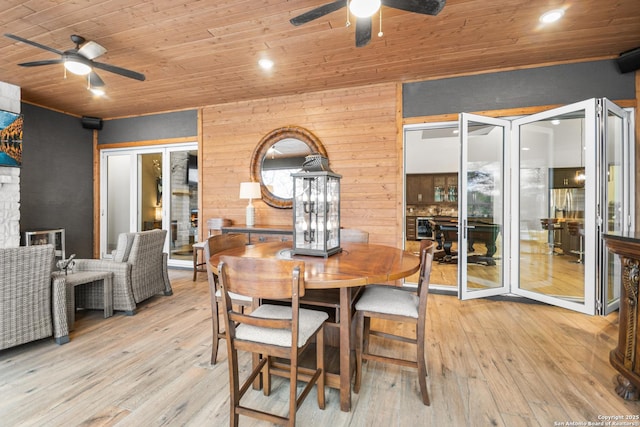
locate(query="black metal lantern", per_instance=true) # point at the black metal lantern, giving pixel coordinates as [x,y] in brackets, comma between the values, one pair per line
[316,208]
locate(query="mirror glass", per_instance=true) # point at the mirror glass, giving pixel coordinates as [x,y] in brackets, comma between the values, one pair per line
[282,159]
[279,154]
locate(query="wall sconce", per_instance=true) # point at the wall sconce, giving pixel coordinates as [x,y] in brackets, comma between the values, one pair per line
[316,208]
[250,190]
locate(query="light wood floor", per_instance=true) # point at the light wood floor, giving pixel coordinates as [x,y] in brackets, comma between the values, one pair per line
[540,271]
[491,363]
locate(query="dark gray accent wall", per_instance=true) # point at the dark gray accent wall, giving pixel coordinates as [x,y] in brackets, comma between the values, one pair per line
[56,180]
[558,84]
[152,127]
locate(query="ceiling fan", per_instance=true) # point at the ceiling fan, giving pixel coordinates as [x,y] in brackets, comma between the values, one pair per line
[363,20]
[80,60]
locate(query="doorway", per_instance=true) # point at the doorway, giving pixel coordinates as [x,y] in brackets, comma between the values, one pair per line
[151,188]
[536,195]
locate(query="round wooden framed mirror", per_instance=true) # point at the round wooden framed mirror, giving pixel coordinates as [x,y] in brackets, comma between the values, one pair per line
[278,154]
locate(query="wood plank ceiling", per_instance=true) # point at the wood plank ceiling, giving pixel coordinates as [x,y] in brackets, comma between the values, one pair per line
[196,52]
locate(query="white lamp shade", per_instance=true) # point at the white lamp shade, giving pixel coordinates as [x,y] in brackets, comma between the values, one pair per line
[250,190]
[364,8]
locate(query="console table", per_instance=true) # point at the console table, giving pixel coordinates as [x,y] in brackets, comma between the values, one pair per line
[279,230]
[626,357]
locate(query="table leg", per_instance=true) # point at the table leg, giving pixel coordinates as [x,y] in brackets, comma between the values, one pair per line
[195,263]
[345,349]
[107,289]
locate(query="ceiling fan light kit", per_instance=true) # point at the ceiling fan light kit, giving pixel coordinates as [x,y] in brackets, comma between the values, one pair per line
[364,8]
[363,24]
[77,67]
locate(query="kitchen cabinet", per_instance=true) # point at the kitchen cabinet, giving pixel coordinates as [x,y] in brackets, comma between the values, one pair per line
[419,189]
[427,189]
[566,178]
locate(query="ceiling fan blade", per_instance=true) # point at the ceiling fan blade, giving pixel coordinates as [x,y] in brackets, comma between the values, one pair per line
[95,80]
[363,31]
[318,12]
[91,50]
[117,70]
[32,43]
[426,7]
[43,62]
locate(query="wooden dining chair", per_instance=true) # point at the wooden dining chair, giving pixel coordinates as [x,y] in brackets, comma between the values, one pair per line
[270,331]
[354,235]
[399,305]
[214,244]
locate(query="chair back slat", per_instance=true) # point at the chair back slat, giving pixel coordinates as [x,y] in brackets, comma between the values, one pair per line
[257,321]
[427,248]
[354,235]
[263,278]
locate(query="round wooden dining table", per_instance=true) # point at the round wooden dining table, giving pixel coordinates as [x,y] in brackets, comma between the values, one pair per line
[358,264]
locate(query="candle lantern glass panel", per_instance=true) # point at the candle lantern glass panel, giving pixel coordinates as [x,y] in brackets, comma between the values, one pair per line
[316,213]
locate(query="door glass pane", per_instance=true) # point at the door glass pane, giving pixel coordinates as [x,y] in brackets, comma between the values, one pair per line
[615,222]
[183,183]
[118,199]
[484,203]
[431,194]
[150,191]
[552,206]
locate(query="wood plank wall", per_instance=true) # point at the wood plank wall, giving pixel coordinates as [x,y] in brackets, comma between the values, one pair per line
[358,128]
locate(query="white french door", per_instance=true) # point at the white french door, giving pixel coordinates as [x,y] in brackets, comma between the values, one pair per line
[615,195]
[536,195]
[482,232]
[146,188]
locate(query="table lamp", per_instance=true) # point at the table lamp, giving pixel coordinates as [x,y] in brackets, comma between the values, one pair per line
[250,190]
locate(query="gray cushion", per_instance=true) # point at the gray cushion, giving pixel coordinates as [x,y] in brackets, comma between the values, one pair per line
[234,296]
[310,321]
[125,241]
[388,300]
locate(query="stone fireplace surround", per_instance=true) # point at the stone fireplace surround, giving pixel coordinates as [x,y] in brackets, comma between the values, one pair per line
[9,179]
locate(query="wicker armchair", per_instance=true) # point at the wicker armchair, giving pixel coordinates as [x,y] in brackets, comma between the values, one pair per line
[139,268]
[32,305]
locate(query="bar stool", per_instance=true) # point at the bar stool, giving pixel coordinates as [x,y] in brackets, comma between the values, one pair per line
[551,225]
[577,229]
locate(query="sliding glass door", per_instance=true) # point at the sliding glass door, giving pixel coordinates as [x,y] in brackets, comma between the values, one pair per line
[151,188]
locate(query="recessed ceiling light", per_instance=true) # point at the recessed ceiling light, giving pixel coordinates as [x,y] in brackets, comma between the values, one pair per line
[97,91]
[555,122]
[551,16]
[265,64]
